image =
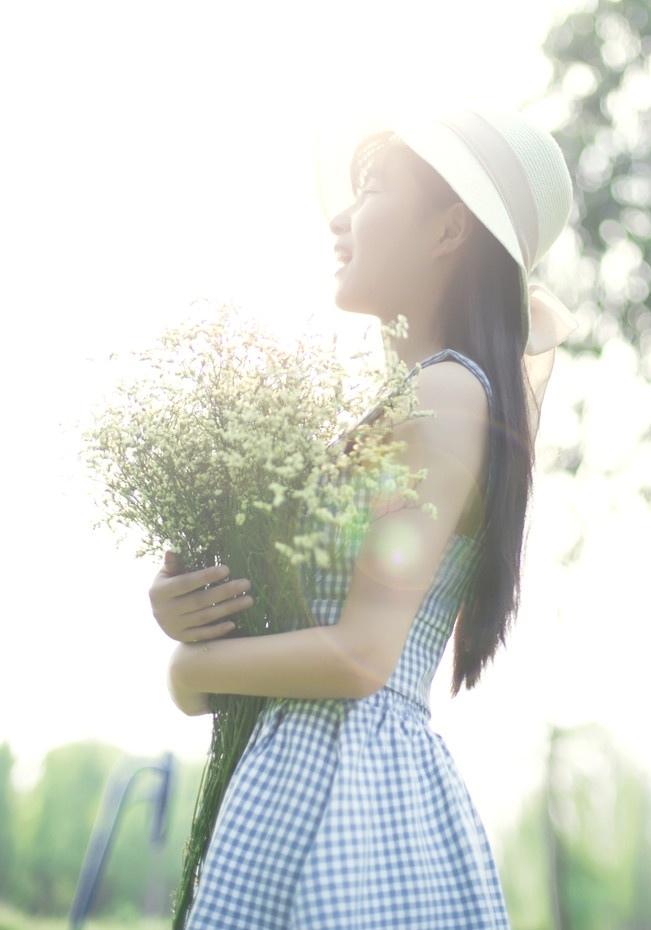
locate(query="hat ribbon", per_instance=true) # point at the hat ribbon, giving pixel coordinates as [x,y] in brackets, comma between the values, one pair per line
[551,321]
[551,324]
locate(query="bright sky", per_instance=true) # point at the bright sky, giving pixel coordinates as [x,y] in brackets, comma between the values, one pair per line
[157,154]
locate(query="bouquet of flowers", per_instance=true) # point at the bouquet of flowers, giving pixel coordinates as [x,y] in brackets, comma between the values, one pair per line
[229,450]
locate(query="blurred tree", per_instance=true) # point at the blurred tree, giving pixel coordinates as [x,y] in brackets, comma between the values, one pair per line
[7,825]
[135,874]
[580,856]
[597,104]
[53,823]
[601,83]
[523,868]
[56,818]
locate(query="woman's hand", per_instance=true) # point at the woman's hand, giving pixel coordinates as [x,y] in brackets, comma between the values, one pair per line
[192,703]
[189,612]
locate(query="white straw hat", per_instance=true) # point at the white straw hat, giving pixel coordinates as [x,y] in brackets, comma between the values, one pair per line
[512,175]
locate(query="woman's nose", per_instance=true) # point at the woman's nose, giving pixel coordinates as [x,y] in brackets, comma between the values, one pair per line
[339,223]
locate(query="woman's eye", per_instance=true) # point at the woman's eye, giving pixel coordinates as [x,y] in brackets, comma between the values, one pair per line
[363,190]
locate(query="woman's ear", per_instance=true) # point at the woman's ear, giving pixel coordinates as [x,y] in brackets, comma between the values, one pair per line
[459,226]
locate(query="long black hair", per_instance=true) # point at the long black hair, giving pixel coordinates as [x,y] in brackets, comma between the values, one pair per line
[481,318]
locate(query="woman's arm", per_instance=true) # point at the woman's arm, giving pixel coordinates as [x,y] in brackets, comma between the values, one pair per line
[192,703]
[393,571]
[316,662]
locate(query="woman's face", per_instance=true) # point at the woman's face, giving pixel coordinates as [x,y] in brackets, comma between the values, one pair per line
[395,235]
[379,233]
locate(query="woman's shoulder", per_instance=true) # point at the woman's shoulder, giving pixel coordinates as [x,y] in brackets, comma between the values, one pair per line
[456,430]
[455,381]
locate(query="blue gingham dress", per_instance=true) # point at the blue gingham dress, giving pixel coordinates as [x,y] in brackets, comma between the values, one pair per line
[350,814]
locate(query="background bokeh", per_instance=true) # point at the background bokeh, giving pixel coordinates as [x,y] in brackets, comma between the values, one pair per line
[157,156]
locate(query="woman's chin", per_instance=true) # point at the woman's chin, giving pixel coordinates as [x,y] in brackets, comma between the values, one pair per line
[351,306]
[344,298]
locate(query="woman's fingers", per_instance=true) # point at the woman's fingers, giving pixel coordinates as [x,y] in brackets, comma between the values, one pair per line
[199,633]
[168,586]
[197,601]
[219,610]
[203,597]
[176,585]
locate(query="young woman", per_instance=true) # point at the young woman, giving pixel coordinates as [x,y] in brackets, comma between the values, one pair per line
[346,810]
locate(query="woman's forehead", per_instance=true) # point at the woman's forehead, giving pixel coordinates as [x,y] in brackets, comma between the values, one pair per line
[373,152]
[393,164]
[388,162]
[386,165]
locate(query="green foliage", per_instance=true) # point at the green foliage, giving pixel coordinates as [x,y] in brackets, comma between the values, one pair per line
[599,59]
[7,825]
[581,846]
[13,919]
[580,854]
[55,821]
[52,824]
[523,871]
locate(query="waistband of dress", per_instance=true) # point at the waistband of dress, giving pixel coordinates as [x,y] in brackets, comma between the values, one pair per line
[410,704]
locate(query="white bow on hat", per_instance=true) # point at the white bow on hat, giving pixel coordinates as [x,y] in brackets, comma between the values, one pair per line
[551,320]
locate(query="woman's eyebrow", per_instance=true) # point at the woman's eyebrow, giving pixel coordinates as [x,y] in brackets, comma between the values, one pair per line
[376,173]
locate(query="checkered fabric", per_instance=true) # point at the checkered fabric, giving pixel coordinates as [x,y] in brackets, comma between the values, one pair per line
[350,814]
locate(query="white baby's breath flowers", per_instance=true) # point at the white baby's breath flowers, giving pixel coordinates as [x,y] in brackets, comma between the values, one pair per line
[229,445]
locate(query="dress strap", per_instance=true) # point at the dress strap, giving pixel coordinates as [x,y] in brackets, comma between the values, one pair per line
[478,371]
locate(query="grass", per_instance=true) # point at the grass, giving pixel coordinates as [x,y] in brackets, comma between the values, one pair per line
[11,919]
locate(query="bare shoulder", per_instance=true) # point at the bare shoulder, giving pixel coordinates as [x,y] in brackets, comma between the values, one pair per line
[452,386]
[458,430]
[402,550]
